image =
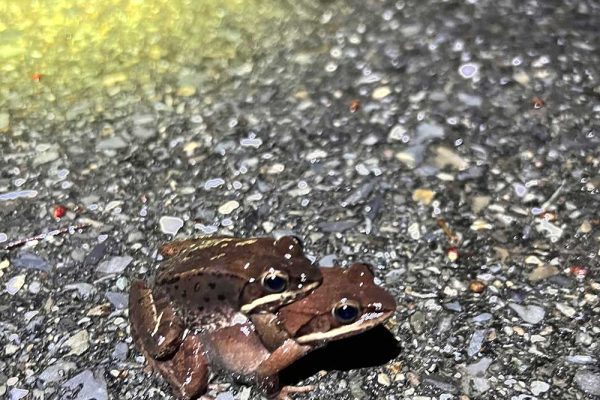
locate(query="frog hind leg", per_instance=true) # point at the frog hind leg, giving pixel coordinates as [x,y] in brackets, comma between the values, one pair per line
[156,329]
[187,371]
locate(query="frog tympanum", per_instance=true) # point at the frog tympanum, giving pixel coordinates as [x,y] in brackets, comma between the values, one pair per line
[346,303]
[204,282]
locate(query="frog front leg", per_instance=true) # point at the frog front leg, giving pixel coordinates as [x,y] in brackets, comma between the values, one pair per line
[155,326]
[267,373]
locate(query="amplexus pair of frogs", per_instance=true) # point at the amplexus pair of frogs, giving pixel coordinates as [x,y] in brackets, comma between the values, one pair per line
[250,307]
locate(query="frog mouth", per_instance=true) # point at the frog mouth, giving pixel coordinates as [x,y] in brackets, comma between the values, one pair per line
[284,297]
[364,324]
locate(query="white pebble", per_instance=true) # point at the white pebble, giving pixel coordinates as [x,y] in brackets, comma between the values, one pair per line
[15,284]
[228,207]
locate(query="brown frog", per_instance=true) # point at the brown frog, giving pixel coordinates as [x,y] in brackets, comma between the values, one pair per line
[345,304]
[204,282]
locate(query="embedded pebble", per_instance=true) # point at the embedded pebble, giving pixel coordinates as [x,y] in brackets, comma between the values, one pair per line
[112,143]
[91,386]
[30,261]
[337,226]
[423,196]
[542,272]
[119,301]
[397,133]
[531,313]
[414,231]
[10,349]
[476,342]
[482,317]
[446,157]
[539,387]
[78,343]
[115,265]
[384,379]
[15,284]
[328,260]
[470,100]
[34,287]
[479,368]
[581,359]
[57,371]
[83,289]
[417,322]
[120,351]
[381,92]
[170,225]
[440,382]
[588,381]
[428,131]
[229,207]
[45,157]
[17,394]
[566,310]
[316,154]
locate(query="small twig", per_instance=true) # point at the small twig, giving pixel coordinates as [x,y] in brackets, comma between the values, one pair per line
[452,238]
[42,236]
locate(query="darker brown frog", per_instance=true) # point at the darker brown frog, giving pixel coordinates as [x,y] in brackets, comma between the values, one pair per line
[204,282]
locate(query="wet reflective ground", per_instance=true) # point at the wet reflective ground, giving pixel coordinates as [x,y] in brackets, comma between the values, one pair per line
[454,145]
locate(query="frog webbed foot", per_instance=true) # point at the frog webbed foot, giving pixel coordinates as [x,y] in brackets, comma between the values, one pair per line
[284,393]
[155,326]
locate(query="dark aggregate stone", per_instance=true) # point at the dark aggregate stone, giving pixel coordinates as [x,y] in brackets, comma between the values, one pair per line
[30,261]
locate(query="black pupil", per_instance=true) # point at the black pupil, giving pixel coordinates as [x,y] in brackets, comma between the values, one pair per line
[346,313]
[275,283]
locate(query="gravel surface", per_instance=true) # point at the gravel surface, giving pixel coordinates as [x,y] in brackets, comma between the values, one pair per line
[455,145]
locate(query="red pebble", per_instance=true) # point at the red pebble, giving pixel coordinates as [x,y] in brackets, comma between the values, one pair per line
[452,254]
[59,211]
[537,102]
[579,271]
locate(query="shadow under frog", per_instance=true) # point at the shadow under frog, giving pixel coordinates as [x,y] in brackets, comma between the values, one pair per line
[369,349]
[346,304]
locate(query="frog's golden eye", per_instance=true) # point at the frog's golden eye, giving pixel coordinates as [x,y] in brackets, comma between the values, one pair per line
[346,311]
[275,281]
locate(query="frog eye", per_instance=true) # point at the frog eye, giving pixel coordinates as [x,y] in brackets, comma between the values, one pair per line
[346,311]
[275,281]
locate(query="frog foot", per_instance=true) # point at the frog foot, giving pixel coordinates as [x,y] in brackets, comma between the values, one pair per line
[287,390]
